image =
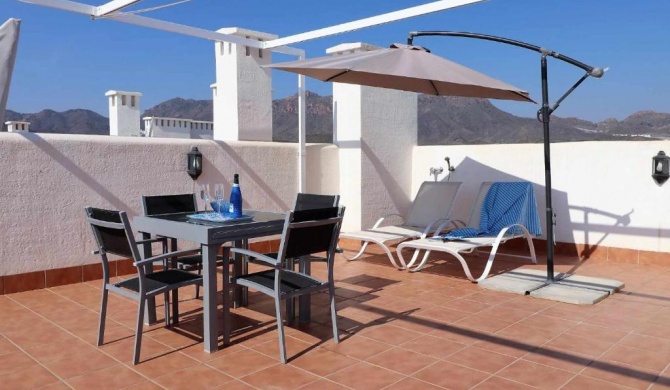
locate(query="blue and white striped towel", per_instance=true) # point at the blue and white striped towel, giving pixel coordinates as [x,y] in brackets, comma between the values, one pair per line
[506,203]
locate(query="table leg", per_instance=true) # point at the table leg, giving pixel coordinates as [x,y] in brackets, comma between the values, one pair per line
[240,267]
[305,301]
[174,294]
[245,269]
[150,308]
[226,297]
[210,323]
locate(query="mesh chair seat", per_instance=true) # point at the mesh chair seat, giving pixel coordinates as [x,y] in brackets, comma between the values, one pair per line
[291,281]
[161,280]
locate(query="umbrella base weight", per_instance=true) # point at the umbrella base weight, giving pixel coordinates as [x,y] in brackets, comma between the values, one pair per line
[567,288]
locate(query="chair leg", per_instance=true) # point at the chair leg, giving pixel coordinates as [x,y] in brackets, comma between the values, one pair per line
[280,330]
[290,303]
[138,330]
[103,315]
[333,313]
[197,286]
[166,304]
[175,306]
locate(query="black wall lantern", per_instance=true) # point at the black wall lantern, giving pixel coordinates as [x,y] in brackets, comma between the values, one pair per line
[194,163]
[660,168]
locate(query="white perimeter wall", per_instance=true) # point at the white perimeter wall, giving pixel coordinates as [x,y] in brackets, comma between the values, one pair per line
[48,179]
[603,193]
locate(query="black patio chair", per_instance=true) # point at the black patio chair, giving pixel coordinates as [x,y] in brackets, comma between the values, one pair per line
[171,204]
[306,232]
[114,235]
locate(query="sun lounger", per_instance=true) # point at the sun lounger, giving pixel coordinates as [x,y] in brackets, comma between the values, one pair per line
[502,211]
[430,209]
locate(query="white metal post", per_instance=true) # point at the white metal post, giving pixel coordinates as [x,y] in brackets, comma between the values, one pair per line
[302,117]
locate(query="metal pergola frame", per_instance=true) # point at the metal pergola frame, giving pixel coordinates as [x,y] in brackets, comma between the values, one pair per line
[113,10]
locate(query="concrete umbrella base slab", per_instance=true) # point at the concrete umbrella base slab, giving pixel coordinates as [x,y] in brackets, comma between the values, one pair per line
[568,288]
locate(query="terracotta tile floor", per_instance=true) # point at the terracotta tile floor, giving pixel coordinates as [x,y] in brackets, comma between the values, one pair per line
[400,330]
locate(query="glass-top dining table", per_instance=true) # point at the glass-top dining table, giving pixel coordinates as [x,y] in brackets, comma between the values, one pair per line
[211,236]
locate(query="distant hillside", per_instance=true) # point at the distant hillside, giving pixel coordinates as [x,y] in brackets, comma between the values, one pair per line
[284,112]
[199,110]
[76,121]
[443,120]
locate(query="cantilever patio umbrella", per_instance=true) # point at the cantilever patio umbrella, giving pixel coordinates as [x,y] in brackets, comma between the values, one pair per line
[9,39]
[412,68]
[407,68]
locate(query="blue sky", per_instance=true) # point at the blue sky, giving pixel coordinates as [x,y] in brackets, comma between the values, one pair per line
[68,61]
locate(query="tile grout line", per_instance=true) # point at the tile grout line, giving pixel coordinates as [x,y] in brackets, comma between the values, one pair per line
[80,339]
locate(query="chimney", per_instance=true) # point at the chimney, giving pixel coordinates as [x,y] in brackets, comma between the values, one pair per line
[124,113]
[17,126]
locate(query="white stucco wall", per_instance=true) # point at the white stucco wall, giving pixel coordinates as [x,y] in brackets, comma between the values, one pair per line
[603,193]
[376,131]
[48,179]
[347,135]
[243,89]
[389,134]
[323,170]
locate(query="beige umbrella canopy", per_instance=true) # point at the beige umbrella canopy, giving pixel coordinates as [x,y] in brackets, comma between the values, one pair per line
[407,68]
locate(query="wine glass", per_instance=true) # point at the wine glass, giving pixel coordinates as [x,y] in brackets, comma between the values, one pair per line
[218,196]
[204,196]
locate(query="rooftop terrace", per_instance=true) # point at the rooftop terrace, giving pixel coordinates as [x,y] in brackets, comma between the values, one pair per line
[400,330]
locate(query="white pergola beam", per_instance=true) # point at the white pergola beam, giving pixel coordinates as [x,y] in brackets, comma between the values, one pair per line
[65,5]
[89,10]
[196,32]
[114,5]
[371,21]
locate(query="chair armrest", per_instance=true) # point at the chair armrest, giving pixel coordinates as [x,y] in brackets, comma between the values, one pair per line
[454,222]
[255,255]
[380,220]
[429,228]
[151,240]
[167,256]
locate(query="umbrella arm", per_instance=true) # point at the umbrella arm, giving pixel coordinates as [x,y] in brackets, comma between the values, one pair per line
[565,95]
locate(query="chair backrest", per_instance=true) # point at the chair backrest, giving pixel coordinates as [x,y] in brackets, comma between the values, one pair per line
[315,201]
[433,201]
[510,203]
[169,204]
[113,234]
[476,212]
[311,231]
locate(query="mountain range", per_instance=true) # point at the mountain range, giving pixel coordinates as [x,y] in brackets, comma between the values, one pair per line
[443,120]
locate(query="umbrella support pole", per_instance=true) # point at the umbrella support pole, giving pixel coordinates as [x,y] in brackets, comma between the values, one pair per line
[543,116]
[548,282]
[545,113]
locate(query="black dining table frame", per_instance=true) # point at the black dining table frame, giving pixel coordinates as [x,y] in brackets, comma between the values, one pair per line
[211,236]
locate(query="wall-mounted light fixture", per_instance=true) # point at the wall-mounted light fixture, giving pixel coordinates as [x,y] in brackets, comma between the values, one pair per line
[660,168]
[194,163]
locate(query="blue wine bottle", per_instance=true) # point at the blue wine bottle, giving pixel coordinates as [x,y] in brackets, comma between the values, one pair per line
[236,197]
